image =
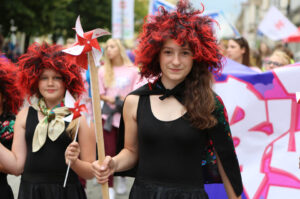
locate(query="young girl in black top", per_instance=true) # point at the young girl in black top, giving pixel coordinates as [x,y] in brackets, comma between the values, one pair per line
[10,102]
[42,144]
[168,124]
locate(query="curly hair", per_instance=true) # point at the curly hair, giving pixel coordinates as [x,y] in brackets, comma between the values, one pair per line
[185,26]
[44,56]
[12,97]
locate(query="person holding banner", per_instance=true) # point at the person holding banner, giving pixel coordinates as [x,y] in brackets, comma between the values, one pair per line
[10,102]
[42,144]
[168,124]
[116,79]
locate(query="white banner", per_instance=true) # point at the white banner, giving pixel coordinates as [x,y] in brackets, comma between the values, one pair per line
[276,26]
[123,19]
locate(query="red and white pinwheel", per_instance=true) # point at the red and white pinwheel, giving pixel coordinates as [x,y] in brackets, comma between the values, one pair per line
[298,97]
[74,106]
[86,42]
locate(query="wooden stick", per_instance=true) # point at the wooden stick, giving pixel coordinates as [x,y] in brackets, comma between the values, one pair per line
[97,118]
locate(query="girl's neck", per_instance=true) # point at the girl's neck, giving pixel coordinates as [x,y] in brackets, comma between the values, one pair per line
[52,104]
[240,60]
[170,84]
[117,61]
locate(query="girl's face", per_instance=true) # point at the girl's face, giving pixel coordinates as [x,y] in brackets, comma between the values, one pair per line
[234,51]
[274,62]
[51,86]
[112,50]
[175,61]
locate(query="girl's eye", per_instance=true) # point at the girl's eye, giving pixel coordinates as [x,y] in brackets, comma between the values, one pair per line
[43,78]
[167,52]
[58,78]
[186,53]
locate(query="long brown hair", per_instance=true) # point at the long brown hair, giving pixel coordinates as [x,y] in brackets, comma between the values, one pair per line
[199,97]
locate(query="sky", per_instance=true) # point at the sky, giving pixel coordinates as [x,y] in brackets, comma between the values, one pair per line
[227,7]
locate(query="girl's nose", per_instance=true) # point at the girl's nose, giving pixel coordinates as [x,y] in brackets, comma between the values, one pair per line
[176,60]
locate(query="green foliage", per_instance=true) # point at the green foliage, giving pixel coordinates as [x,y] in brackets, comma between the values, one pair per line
[140,12]
[42,17]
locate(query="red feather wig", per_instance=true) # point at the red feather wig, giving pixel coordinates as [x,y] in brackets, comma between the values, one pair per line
[184,25]
[11,96]
[39,57]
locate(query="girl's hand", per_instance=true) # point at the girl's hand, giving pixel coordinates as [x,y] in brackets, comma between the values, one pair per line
[103,171]
[72,153]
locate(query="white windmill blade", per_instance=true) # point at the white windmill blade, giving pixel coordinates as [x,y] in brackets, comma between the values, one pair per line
[69,100]
[97,56]
[98,32]
[74,50]
[69,118]
[298,97]
[78,27]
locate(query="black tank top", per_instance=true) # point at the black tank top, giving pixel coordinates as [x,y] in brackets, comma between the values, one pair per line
[48,164]
[169,151]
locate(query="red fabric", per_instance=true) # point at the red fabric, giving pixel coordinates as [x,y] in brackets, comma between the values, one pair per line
[110,143]
[39,57]
[8,87]
[183,25]
[294,37]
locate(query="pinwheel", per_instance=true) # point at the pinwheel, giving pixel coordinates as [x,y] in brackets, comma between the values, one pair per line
[298,97]
[86,42]
[76,108]
[87,49]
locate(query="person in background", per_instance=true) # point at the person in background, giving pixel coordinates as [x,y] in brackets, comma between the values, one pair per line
[286,50]
[167,124]
[239,51]
[277,59]
[116,79]
[43,143]
[223,45]
[264,50]
[10,101]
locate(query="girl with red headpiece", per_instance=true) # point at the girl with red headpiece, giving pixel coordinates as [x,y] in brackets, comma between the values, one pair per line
[10,102]
[42,144]
[176,129]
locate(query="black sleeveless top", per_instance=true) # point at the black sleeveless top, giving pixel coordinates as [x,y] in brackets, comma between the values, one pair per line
[169,150]
[6,135]
[48,164]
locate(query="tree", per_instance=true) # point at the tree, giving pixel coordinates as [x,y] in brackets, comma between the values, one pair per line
[56,17]
[140,11]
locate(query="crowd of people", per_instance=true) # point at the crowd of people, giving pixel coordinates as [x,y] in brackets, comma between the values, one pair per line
[175,119]
[261,59]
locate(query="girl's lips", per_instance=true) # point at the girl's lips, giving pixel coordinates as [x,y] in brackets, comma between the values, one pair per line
[50,90]
[175,70]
